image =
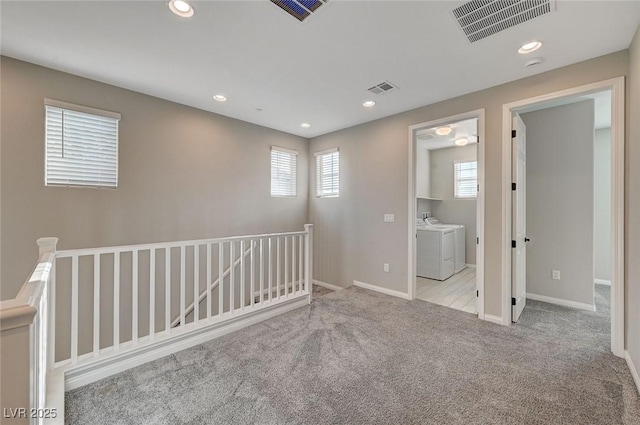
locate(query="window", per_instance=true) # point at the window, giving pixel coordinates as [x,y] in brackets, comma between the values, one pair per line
[283,172]
[328,173]
[465,179]
[81,146]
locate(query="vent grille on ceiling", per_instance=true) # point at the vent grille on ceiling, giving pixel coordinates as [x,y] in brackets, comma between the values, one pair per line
[299,9]
[383,87]
[481,18]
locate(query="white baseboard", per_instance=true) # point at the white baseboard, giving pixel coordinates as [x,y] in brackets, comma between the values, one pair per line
[493,319]
[55,397]
[386,291]
[559,301]
[327,285]
[471,266]
[602,282]
[100,369]
[632,368]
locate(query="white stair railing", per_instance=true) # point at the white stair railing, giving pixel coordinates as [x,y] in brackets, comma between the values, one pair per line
[119,299]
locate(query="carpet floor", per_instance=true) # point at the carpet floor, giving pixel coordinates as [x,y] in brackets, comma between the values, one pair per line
[360,357]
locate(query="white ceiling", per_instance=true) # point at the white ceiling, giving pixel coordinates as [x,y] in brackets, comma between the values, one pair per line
[428,138]
[316,71]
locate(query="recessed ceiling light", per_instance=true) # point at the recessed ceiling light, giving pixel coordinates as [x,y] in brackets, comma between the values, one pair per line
[529,47]
[461,142]
[369,104]
[181,8]
[220,98]
[443,131]
[305,125]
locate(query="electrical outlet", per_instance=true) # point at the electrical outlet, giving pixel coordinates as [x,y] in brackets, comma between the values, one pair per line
[555,274]
[386,267]
[389,218]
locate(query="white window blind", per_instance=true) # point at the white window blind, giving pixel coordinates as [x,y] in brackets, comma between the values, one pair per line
[465,179]
[81,146]
[328,173]
[283,172]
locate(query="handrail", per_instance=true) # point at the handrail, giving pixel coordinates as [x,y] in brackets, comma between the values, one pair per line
[29,310]
[160,245]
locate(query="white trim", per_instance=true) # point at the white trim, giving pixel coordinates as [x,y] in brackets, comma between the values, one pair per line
[560,301]
[278,148]
[617,87]
[326,151]
[327,285]
[80,108]
[471,266]
[480,201]
[55,397]
[632,369]
[493,319]
[602,282]
[86,374]
[385,291]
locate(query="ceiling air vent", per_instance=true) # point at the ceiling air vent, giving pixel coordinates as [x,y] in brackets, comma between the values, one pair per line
[481,18]
[383,87]
[299,9]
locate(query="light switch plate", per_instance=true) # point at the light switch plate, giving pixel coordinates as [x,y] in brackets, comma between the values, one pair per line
[555,274]
[386,267]
[389,218]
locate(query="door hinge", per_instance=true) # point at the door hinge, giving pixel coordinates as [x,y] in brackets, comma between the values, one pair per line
[477,241]
[478,188]
[513,301]
[513,186]
[513,133]
[513,244]
[477,293]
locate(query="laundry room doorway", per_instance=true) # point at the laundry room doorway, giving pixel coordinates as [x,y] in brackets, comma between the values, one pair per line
[446,212]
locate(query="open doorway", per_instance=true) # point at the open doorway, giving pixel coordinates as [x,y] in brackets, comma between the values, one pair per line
[446,224]
[566,204]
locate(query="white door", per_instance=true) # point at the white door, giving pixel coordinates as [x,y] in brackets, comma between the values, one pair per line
[519,223]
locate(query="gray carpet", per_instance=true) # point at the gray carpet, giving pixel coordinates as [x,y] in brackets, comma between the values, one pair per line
[359,357]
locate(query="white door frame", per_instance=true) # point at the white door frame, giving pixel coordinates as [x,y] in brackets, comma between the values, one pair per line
[479,114]
[617,87]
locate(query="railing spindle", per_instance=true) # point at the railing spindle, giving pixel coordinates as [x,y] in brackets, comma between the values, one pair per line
[196,283]
[252,290]
[134,297]
[74,309]
[270,271]
[167,290]
[209,281]
[96,305]
[242,281]
[261,271]
[52,317]
[300,260]
[183,276]
[152,293]
[293,264]
[232,289]
[116,300]
[220,279]
[278,267]
[286,266]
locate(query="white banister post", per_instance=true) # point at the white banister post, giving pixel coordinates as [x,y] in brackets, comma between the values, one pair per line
[47,245]
[308,259]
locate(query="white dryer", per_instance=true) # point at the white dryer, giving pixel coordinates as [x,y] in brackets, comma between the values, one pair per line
[460,241]
[435,252]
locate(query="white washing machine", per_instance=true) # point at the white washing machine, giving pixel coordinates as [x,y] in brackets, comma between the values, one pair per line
[460,241]
[435,252]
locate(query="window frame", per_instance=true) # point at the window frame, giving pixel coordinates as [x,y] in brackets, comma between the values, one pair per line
[319,180]
[295,173]
[456,180]
[70,107]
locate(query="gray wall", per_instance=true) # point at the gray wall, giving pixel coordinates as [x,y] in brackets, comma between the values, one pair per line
[184,173]
[559,214]
[352,240]
[602,204]
[632,241]
[451,210]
